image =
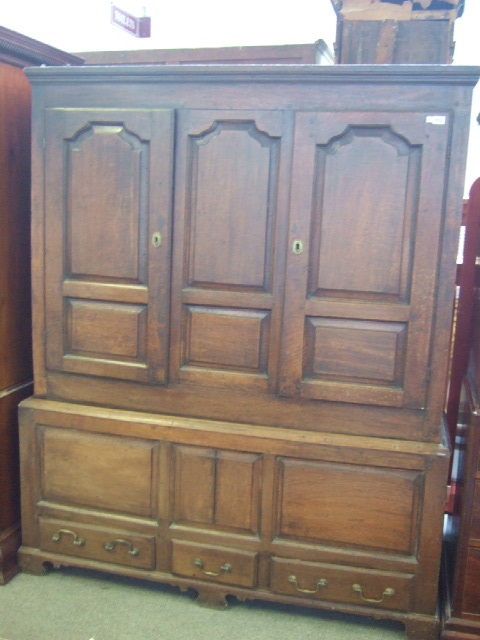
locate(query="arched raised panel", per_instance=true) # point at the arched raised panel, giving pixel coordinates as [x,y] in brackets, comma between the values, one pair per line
[106,203]
[366,192]
[112,171]
[232,188]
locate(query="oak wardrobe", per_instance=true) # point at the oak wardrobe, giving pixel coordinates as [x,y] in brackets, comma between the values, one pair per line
[243,283]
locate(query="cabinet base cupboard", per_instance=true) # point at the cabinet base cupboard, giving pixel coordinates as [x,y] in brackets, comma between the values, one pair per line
[242,285]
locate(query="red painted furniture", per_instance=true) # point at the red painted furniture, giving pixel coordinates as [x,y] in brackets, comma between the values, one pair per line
[461,579]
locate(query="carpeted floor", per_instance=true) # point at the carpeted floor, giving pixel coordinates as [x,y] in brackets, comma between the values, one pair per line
[72,604]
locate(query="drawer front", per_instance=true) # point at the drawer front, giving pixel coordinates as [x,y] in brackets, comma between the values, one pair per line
[385,590]
[96,543]
[218,564]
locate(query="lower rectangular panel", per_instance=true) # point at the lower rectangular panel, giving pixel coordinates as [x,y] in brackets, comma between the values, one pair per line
[341,584]
[232,339]
[355,350]
[106,330]
[359,506]
[96,470]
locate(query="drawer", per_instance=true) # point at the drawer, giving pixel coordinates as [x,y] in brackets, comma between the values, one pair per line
[97,543]
[352,585]
[228,566]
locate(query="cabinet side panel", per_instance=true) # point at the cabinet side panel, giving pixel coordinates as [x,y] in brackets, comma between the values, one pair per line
[15,316]
[9,457]
[471,587]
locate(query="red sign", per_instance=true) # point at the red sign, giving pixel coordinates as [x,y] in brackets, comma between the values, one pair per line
[138,27]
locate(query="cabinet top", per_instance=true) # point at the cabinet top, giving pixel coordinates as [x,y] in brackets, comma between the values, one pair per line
[309,73]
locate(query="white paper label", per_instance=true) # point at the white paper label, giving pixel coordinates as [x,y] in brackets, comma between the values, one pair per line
[436,119]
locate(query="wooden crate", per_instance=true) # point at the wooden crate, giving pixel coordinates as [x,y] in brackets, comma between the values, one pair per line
[395,32]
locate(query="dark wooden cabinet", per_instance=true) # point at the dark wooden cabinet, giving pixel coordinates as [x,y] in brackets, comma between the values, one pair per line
[240,329]
[312,53]
[16,52]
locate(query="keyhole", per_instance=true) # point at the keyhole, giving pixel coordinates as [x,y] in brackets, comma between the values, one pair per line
[157,239]
[297,247]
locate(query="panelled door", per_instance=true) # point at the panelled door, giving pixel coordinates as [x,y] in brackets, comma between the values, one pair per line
[362,256]
[108,220]
[232,173]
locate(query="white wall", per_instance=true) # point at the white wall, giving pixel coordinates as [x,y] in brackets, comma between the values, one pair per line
[467,51]
[84,25]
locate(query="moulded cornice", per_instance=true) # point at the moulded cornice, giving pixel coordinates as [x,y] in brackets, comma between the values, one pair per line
[239,73]
[22,51]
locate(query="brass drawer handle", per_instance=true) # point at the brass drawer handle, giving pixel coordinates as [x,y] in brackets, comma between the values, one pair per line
[226,568]
[320,583]
[133,551]
[388,592]
[76,540]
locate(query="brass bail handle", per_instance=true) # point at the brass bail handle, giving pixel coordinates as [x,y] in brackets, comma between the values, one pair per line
[226,568]
[66,532]
[388,592]
[322,582]
[110,546]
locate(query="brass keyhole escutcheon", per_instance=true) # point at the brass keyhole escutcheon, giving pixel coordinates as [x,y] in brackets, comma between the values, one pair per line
[297,247]
[157,239]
